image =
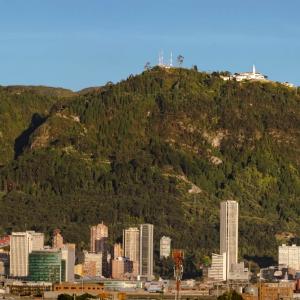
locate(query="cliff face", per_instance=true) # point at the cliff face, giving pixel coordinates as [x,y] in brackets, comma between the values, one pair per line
[162,147]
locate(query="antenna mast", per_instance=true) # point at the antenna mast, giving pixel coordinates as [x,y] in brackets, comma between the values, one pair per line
[178,270]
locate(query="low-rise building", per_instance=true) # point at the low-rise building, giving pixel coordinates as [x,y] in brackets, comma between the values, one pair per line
[121,267]
[22,288]
[217,271]
[45,265]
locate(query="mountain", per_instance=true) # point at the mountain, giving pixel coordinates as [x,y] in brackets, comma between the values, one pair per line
[164,147]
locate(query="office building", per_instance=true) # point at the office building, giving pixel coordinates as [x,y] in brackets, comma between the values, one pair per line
[229,233]
[98,240]
[146,251]
[4,262]
[118,251]
[289,256]
[45,266]
[92,265]
[57,240]
[68,262]
[165,247]
[131,247]
[21,245]
[217,271]
[121,267]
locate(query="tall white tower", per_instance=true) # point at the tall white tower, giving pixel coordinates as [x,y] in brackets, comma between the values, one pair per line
[253,69]
[229,223]
[171,60]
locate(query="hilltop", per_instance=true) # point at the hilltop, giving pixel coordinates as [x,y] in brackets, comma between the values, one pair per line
[165,147]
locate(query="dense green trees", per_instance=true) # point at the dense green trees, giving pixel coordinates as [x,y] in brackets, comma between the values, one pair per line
[129,153]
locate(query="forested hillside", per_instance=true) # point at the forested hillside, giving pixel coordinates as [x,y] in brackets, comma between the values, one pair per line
[163,147]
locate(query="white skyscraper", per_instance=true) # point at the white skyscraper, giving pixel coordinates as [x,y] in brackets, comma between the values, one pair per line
[131,247]
[68,257]
[146,251]
[229,216]
[165,247]
[21,244]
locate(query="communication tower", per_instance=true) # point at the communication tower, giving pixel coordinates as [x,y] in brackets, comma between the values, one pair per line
[178,256]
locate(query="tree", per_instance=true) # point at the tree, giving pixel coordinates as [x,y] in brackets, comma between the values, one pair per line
[147,66]
[180,59]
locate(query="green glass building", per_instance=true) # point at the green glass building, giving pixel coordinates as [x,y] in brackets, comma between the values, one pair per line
[45,265]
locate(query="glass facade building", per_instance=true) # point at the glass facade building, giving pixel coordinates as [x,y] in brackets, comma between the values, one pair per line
[45,266]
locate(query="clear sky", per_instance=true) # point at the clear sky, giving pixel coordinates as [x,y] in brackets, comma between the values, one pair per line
[82,43]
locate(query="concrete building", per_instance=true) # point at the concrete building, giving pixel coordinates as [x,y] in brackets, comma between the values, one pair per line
[57,240]
[165,247]
[254,75]
[99,235]
[121,266]
[92,265]
[229,215]
[131,247]
[4,262]
[21,245]
[217,271]
[146,251]
[118,251]
[68,262]
[289,256]
[45,265]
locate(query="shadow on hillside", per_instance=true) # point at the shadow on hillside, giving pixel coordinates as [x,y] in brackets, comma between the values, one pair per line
[262,261]
[22,140]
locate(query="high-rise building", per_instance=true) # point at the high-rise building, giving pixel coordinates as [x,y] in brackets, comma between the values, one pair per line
[21,245]
[131,247]
[45,265]
[118,251]
[92,265]
[99,235]
[146,251]
[57,240]
[68,262]
[217,271]
[229,215]
[289,256]
[165,247]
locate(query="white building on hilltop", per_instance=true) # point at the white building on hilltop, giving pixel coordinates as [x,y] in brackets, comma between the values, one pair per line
[254,76]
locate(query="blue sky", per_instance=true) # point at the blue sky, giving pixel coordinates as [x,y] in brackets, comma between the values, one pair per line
[81,43]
